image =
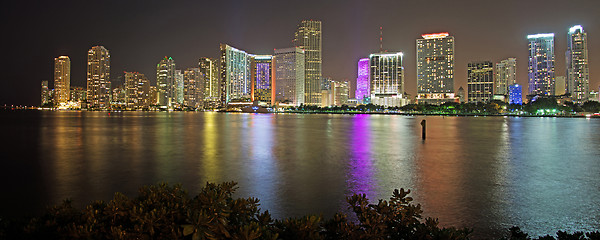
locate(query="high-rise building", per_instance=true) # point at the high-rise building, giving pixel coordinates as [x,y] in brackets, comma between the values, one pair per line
[45,94]
[386,76]
[78,96]
[435,68]
[560,85]
[165,81]
[119,95]
[235,75]
[137,90]
[209,68]
[308,38]
[578,73]
[362,81]
[289,75]
[263,76]
[153,96]
[178,87]
[480,80]
[62,80]
[340,93]
[515,92]
[506,74]
[541,64]
[193,86]
[98,78]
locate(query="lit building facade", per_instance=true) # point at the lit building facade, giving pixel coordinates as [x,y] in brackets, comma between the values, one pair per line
[308,37]
[178,87]
[386,77]
[506,74]
[362,81]
[263,76]
[45,94]
[193,86]
[78,96]
[165,81]
[235,75]
[209,68]
[541,64]
[137,90]
[578,73]
[98,78]
[435,68]
[289,75]
[62,80]
[515,92]
[480,81]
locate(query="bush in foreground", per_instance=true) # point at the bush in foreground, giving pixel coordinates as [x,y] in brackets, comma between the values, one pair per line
[167,212]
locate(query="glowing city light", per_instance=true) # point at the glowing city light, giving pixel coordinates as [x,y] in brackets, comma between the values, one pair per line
[540,35]
[435,35]
[575,28]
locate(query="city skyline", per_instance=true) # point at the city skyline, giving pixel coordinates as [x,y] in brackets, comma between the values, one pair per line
[347,37]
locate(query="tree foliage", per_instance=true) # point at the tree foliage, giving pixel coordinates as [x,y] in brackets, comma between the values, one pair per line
[168,212]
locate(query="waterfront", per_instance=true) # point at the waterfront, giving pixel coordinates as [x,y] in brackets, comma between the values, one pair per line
[485,172]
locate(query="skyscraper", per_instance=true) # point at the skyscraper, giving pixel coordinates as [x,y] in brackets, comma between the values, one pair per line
[178,87]
[386,77]
[165,81]
[578,73]
[308,38]
[193,86]
[45,94]
[235,74]
[209,68]
[541,64]
[435,68]
[480,81]
[506,74]
[98,78]
[362,81]
[62,80]
[289,75]
[263,76]
[137,90]
[560,85]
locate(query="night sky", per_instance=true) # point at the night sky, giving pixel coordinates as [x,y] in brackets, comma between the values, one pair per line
[139,33]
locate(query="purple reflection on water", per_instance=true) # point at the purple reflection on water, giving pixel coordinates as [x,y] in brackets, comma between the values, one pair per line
[361,162]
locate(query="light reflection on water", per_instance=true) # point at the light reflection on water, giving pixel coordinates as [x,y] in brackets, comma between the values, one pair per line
[492,173]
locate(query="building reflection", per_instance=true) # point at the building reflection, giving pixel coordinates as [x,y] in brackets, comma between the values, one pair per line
[360,179]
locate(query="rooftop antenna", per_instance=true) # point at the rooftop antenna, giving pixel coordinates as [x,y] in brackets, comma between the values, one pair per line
[380,39]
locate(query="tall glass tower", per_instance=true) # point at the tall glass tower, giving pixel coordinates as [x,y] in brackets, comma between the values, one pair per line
[62,80]
[541,64]
[235,74]
[506,74]
[362,81]
[289,75]
[308,38]
[480,81]
[578,73]
[165,81]
[98,78]
[386,78]
[435,68]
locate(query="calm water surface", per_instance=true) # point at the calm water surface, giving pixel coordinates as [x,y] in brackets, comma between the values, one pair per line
[490,173]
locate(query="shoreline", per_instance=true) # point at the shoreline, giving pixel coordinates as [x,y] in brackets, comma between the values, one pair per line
[342,113]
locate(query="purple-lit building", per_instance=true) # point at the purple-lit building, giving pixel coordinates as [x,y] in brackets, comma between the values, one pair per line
[362,82]
[263,74]
[515,94]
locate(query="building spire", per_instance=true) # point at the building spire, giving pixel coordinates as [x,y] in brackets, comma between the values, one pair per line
[380,39]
